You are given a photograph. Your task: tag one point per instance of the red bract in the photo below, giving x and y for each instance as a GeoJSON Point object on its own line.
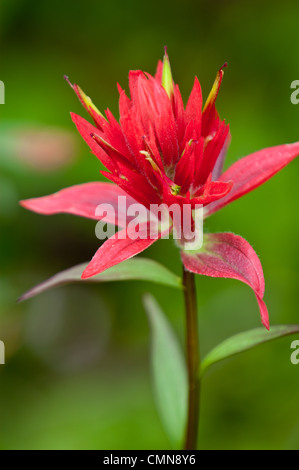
{"type": "Point", "coordinates": [160, 152]}
{"type": "Point", "coordinates": [229, 255]}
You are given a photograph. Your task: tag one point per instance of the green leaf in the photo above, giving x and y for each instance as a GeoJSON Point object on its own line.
{"type": "Point", "coordinates": [244, 341]}
{"type": "Point", "coordinates": [142, 269]}
{"type": "Point", "coordinates": [169, 373]}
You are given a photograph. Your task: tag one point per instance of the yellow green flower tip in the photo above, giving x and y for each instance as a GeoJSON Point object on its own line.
{"type": "Point", "coordinates": [150, 159]}
{"type": "Point", "coordinates": [84, 99]}
{"type": "Point", "coordinates": [167, 81]}
{"type": "Point", "coordinates": [175, 189]}
{"type": "Point", "coordinates": [215, 88]}
{"type": "Point", "coordinates": [87, 101]}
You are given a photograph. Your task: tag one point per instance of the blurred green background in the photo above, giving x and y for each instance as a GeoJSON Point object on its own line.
{"type": "Point", "coordinates": [77, 367]}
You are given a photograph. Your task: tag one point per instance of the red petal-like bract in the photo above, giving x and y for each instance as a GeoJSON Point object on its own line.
{"type": "Point", "coordinates": [230, 256]}
{"type": "Point", "coordinates": [82, 200]}
{"type": "Point", "coordinates": [120, 247]}
{"type": "Point", "coordinates": [254, 170]}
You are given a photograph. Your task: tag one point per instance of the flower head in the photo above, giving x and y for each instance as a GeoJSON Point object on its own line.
{"type": "Point", "coordinates": [160, 151]}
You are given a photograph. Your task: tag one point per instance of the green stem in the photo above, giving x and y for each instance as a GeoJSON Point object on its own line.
{"type": "Point", "coordinates": [193, 360]}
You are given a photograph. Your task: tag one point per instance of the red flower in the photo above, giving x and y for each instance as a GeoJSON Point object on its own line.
{"type": "Point", "coordinates": [160, 152]}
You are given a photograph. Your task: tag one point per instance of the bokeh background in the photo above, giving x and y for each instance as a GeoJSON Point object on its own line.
{"type": "Point", "coordinates": [77, 366]}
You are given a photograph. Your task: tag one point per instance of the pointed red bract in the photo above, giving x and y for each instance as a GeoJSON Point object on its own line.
{"type": "Point", "coordinates": [254, 170]}
{"type": "Point", "coordinates": [82, 200]}
{"type": "Point", "coordinates": [230, 256]}
{"type": "Point", "coordinates": [120, 247]}
{"type": "Point", "coordinates": [194, 107]}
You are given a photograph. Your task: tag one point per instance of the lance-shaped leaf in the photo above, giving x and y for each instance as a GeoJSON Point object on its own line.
{"type": "Point", "coordinates": [137, 269]}
{"type": "Point", "coordinates": [169, 373]}
{"type": "Point", "coordinates": [245, 341]}
{"type": "Point", "coordinates": [230, 256]}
